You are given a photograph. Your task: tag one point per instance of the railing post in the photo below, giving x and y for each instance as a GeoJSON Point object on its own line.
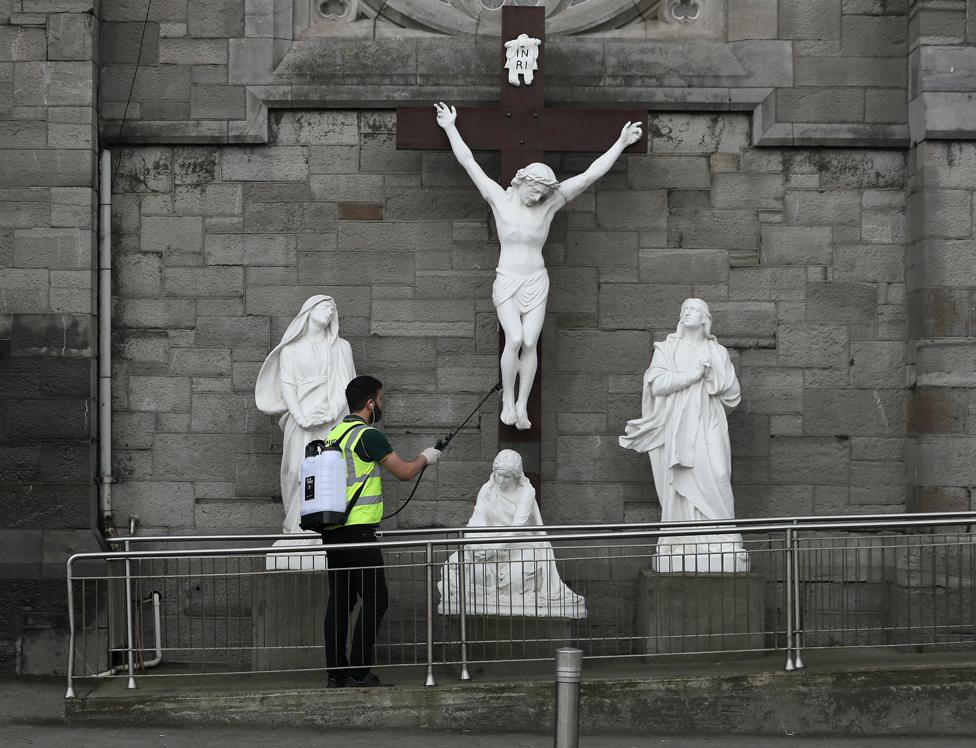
{"type": "Point", "coordinates": [129, 620]}
{"type": "Point", "coordinates": [429, 553]}
{"type": "Point", "coordinates": [797, 613]}
{"type": "Point", "coordinates": [70, 693]}
{"type": "Point", "coordinates": [465, 675]}
{"type": "Point", "coordinates": [569, 669]}
{"type": "Point", "coordinates": [788, 600]}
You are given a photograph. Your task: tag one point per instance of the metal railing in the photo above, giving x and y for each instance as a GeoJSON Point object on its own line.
{"type": "Point", "coordinates": [229, 607]}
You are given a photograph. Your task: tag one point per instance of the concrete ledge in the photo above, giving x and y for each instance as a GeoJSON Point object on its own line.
{"type": "Point", "coordinates": [910, 695]}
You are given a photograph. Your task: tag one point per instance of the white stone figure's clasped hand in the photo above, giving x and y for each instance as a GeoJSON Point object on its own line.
{"type": "Point", "coordinates": [446, 115]}
{"type": "Point", "coordinates": [628, 136]}
{"type": "Point", "coordinates": [706, 369]}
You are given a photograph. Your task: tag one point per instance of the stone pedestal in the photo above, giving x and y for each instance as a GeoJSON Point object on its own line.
{"type": "Point", "coordinates": [287, 616]}
{"type": "Point", "coordinates": [494, 638]}
{"type": "Point", "coordinates": [687, 613]}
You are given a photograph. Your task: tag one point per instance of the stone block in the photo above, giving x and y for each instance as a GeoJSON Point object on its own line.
{"type": "Point", "coordinates": [205, 457]}
{"type": "Point", "coordinates": [440, 169]}
{"type": "Point", "coordinates": [454, 284]}
{"type": "Point", "coordinates": [422, 318]}
{"type": "Point", "coordinates": [355, 267]}
{"type": "Point", "coordinates": [687, 613]}
{"type": "Point", "coordinates": [250, 249]}
{"type": "Point", "coordinates": [53, 83]}
{"type": "Point", "coordinates": [289, 217]}
{"type": "Point", "coordinates": [603, 249]}
{"type": "Point", "coordinates": [947, 213]}
{"type": "Point", "coordinates": [878, 363]}
{"type": "Point", "coordinates": [70, 36]}
{"type": "Point", "coordinates": [251, 61]}
{"type": "Point", "coordinates": [745, 190]}
{"type": "Point", "coordinates": [120, 43]}
{"type": "Point", "coordinates": [752, 19]}
{"type": "Point", "coordinates": [878, 482]}
{"type": "Point", "coordinates": [668, 172]}
{"type": "Point", "coordinates": [61, 335]}
{"type": "Point", "coordinates": [854, 412]}
{"type": "Point", "coordinates": [862, 169]}
{"type": "Point", "coordinates": [820, 104]}
{"type": "Point", "coordinates": [233, 332]}
{"type": "Point", "coordinates": [795, 245]}
{"type": "Point", "coordinates": [378, 153]}
{"type": "Point", "coordinates": [227, 413]}
{"type": "Point", "coordinates": [771, 391]}
{"type": "Point", "coordinates": [814, 346]}
{"type": "Point", "coordinates": [209, 199]}
{"type": "Point", "coordinates": [363, 188]}
{"type": "Point", "coordinates": [144, 170]}
{"type": "Point", "coordinates": [204, 281]}
{"type": "Point", "coordinates": [632, 306]}
{"type": "Point", "coordinates": [842, 302]}
{"type": "Point", "coordinates": [403, 235]}
{"type": "Point", "coordinates": [647, 209]}
{"type": "Point", "coordinates": [156, 503]}
{"type": "Point", "coordinates": [334, 159]}
{"type": "Point", "coordinates": [194, 165]}
{"type": "Point", "coordinates": [707, 228]}
{"type": "Point", "coordinates": [852, 71]}
{"type": "Point", "coordinates": [153, 313]}
{"type": "Point", "coordinates": [767, 283]}
{"type": "Point", "coordinates": [22, 43]}
{"type": "Point", "coordinates": [186, 51]}
{"type": "Point", "coordinates": [160, 394]}
{"type": "Point", "coordinates": [810, 19]}
{"type": "Point", "coordinates": [217, 102]}
{"type": "Point", "coordinates": [215, 18]}
{"type": "Point", "coordinates": [47, 168]}
{"type": "Point", "coordinates": [56, 249]}
{"type": "Point", "coordinates": [179, 234]}
{"type": "Point", "coordinates": [313, 128]}
{"type": "Point", "coordinates": [810, 459]}
{"type": "Point", "coordinates": [822, 208]}
{"type": "Point", "coordinates": [886, 105]}
{"type": "Point", "coordinates": [698, 133]}
{"type": "Point", "coordinates": [434, 204]}
{"type": "Point", "coordinates": [945, 363]}
{"type": "Point", "coordinates": [884, 36]}
{"type": "Point", "coordinates": [869, 262]}
{"type": "Point", "coordinates": [573, 290]}
{"type": "Point", "coordinates": [264, 163]}
{"type": "Point", "coordinates": [601, 351]}
{"type": "Point", "coordinates": [944, 461]}
{"type": "Point", "coordinates": [24, 133]}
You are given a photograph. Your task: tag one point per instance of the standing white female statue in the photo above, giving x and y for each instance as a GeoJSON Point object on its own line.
{"type": "Point", "coordinates": [518, 578]}
{"type": "Point", "coordinates": [687, 390]}
{"type": "Point", "coordinates": [523, 214]}
{"type": "Point", "coordinates": [304, 380]}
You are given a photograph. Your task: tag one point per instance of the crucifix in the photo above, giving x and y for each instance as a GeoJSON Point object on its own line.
{"type": "Point", "coordinates": [522, 129]}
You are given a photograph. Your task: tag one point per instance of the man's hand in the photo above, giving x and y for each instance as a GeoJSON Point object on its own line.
{"type": "Point", "coordinates": [630, 134]}
{"type": "Point", "coordinates": [446, 115]}
{"type": "Point", "coordinates": [432, 455]}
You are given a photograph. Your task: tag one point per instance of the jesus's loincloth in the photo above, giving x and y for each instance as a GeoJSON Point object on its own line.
{"type": "Point", "coordinates": [529, 291]}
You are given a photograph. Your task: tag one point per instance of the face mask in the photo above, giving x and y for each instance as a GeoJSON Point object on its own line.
{"type": "Point", "coordinates": [377, 414]}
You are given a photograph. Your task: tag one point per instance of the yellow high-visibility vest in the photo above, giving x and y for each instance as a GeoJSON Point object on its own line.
{"type": "Point", "coordinates": [369, 507]}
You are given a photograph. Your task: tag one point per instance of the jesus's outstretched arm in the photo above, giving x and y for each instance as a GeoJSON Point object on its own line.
{"type": "Point", "coordinates": [575, 186]}
{"type": "Point", "coordinates": [490, 190]}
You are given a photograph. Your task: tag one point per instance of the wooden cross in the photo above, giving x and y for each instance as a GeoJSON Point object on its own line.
{"type": "Point", "coordinates": [521, 129]}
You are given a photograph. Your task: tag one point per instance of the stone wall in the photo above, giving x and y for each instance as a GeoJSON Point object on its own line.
{"type": "Point", "coordinates": [799, 254]}
{"type": "Point", "coordinates": [47, 324]}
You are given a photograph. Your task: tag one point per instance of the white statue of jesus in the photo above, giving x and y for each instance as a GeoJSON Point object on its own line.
{"type": "Point", "coordinates": [523, 214]}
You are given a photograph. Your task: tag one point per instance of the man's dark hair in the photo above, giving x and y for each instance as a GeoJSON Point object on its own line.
{"type": "Point", "coordinates": [360, 390]}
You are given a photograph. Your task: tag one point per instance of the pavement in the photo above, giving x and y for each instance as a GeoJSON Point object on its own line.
{"type": "Point", "coordinates": [31, 714]}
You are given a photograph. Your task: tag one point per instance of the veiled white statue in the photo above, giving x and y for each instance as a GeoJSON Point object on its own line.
{"type": "Point", "coordinates": [304, 381]}
{"type": "Point", "coordinates": [523, 214]}
{"type": "Point", "coordinates": [687, 390]}
{"type": "Point", "coordinates": [514, 579]}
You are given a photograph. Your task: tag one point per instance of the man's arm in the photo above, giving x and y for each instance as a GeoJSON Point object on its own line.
{"type": "Point", "coordinates": [575, 186]}
{"type": "Point", "coordinates": [401, 468]}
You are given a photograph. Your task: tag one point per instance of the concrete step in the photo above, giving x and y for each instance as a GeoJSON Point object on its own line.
{"type": "Point", "coordinates": [849, 692]}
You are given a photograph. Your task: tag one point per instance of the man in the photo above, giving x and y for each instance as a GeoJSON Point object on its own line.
{"type": "Point", "coordinates": [358, 573]}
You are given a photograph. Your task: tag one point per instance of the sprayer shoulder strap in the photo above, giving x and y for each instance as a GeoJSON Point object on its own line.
{"type": "Point", "coordinates": [344, 434]}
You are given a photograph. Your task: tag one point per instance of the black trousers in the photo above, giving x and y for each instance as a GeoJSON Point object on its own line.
{"type": "Point", "coordinates": [354, 574]}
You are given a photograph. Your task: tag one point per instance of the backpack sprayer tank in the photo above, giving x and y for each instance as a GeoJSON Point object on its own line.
{"type": "Point", "coordinates": [323, 476]}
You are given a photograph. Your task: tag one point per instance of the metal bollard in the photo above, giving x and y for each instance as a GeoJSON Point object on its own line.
{"type": "Point", "coordinates": [569, 669]}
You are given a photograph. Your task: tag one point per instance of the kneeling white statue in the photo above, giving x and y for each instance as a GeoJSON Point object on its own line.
{"type": "Point", "coordinates": [516, 579]}
{"type": "Point", "coordinates": [687, 390]}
